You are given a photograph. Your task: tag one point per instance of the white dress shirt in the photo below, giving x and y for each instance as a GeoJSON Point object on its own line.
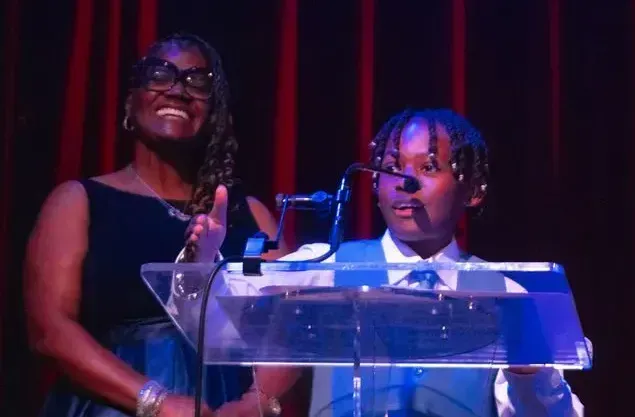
{"type": "Point", "coordinates": [544, 393]}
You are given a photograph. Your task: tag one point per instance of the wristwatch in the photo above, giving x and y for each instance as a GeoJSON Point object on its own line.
{"type": "Point", "coordinates": [272, 403]}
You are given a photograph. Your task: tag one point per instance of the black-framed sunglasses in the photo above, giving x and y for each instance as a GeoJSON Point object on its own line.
{"type": "Point", "coordinates": [155, 74]}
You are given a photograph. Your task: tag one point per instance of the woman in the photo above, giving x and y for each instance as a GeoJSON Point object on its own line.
{"type": "Point", "coordinates": [88, 310]}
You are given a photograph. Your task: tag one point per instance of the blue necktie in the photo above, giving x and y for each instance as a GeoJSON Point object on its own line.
{"type": "Point", "coordinates": [422, 280]}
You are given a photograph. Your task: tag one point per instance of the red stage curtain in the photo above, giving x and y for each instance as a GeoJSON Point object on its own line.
{"type": "Point", "coordinates": [11, 36]}
{"type": "Point", "coordinates": [286, 114]}
{"type": "Point", "coordinates": [549, 84]}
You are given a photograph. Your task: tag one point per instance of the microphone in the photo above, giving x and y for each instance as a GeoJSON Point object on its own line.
{"type": "Point", "coordinates": [316, 201]}
{"type": "Point", "coordinates": [410, 184]}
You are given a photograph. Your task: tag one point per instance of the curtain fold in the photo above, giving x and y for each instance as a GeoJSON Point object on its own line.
{"type": "Point", "coordinates": [71, 138]}
{"type": "Point", "coordinates": [458, 86]}
{"type": "Point", "coordinates": [9, 84]}
{"type": "Point", "coordinates": [111, 100]}
{"type": "Point", "coordinates": [363, 198]}
{"type": "Point", "coordinates": [285, 134]}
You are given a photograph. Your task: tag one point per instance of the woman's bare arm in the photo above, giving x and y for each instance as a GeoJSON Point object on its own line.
{"type": "Point", "coordinates": [54, 258]}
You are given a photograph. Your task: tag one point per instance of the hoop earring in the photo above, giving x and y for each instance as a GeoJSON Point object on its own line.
{"type": "Point", "coordinates": [126, 124]}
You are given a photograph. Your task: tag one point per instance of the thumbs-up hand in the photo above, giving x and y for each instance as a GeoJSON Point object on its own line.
{"type": "Point", "coordinates": [207, 231]}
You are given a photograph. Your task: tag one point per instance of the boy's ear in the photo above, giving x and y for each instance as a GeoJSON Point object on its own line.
{"type": "Point", "coordinates": [475, 200]}
{"type": "Point", "coordinates": [477, 196]}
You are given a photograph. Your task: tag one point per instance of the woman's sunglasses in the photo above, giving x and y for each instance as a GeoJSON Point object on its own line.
{"type": "Point", "coordinates": [155, 74]}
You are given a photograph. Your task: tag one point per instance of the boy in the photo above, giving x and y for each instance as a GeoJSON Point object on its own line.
{"type": "Point", "coordinates": [449, 158]}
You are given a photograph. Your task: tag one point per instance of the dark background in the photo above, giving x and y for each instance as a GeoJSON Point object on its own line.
{"type": "Point", "coordinates": [548, 82]}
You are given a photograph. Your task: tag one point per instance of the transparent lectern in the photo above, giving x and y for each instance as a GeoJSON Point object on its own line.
{"type": "Point", "coordinates": [299, 314]}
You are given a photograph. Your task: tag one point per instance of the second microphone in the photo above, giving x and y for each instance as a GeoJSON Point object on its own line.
{"type": "Point", "coordinates": [319, 200]}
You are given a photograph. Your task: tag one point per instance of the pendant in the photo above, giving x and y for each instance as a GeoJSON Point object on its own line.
{"type": "Point", "coordinates": [177, 214]}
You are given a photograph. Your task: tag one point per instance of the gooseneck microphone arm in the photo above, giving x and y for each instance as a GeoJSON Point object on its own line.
{"type": "Point", "coordinates": [341, 198]}
{"type": "Point", "coordinates": [411, 185]}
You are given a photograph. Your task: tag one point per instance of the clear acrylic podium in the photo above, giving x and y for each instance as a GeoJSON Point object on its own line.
{"type": "Point", "coordinates": [296, 315]}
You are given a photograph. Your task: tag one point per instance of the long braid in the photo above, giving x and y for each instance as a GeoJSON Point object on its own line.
{"type": "Point", "coordinates": [218, 165]}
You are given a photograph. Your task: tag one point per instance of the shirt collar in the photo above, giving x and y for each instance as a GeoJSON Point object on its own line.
{"type": "Point", "coordinates": [396, 251]}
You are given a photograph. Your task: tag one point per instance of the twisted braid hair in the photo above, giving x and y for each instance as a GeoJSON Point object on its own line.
{"type": "Point", "coordinates": [469, 159]}
{"type": "Point", "coordinates": [219, 161]}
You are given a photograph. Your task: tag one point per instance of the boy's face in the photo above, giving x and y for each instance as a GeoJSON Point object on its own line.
{"type": "Point", "coordinates": [434, 211]}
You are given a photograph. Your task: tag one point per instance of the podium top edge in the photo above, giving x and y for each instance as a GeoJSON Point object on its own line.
{"type": "Point", "coordinates": [277, 266]}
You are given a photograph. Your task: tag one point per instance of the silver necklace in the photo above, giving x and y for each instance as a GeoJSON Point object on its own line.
{"type": "Point", "coordinates": [172, 211]}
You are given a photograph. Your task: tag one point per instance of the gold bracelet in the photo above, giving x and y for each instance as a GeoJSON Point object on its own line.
{"type": "Point", "coordinates": [149, 399]}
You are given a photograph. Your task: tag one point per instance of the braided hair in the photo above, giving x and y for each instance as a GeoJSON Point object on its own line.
{"type": "Point", "coordinates": [468, 150]}
{"type": "Point", "coordinates": [218, 164]}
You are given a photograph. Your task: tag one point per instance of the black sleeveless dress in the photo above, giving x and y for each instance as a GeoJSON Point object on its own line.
{"type": "Point", "coordinates": [127, 230]}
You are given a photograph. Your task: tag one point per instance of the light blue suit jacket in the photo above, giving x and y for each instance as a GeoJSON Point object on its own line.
{"type": "Point", "coordinates": [404, 391]}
